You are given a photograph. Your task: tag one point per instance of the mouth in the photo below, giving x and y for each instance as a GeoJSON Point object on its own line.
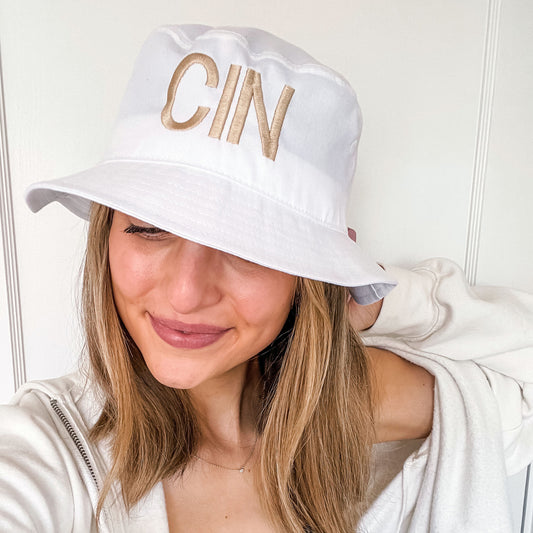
{"type": "Point", "coordinates": [189, 336]}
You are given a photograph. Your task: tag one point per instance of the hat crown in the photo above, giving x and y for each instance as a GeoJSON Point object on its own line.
{"type": "Point", "coordinates": [245, 105]}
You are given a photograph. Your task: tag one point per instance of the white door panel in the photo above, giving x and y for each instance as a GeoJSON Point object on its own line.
{"type": "Point", "coordinates": [6, 365]}
{"type": "Point", "coordinates": [516, 485]}
{"type": "Point", "coordinates": [506, 246]}
{"type": "Point", "coordinates": [419, 91]}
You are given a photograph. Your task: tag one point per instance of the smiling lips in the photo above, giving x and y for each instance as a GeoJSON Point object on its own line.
{"type": "Point", "coordinates": [182, 335]}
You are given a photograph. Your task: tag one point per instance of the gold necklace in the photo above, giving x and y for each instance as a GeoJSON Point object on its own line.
{"type": "Point", "coordinates": [240, 469]}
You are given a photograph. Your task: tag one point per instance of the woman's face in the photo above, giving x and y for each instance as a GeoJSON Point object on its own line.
{"type": "Point", "coordinates": [194, 312]}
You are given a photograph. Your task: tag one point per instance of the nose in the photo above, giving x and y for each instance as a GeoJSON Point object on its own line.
{"type": "Point", "coordinates": [193, 275]}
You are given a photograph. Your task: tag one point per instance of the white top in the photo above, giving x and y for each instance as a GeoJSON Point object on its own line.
{"type": "Point", "coordinates": [477, 342]}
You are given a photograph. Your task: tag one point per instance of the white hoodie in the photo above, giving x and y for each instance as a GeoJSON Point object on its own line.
{"type": "Point", "coordinates": [478, 342]}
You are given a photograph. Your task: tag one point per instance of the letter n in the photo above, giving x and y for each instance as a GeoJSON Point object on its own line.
{"type": "Point", "coordinates": [251, 88]}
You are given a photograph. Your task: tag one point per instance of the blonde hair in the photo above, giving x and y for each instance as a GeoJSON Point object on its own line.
{"type": "Point", "coordinates": [316, 421]}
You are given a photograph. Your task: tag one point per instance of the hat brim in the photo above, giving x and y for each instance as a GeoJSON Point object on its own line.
{"type": "Point", "coordinates": [210, 209]}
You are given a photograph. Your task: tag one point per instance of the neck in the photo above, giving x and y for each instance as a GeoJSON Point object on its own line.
{"type": "Point", "coordinates": [227, 409]}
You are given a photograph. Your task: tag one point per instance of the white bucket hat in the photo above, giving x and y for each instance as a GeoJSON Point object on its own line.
{"type": "Point", "coordinates": [267, 182]}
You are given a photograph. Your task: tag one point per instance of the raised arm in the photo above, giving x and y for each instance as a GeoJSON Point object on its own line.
{"type": "Point", "coordinates": [433, 309]}
{"type": "Point", "coordinates": [404, 397]}
{"type": "Point", "coordinates": [434, 313]}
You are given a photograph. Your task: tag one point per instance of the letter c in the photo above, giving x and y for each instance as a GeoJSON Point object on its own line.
{"type": "Point", "coordinates": [201, 112]}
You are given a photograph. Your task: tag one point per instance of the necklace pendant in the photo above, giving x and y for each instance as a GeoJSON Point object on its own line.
{"type": "Point", "coordinates": [241, 470]}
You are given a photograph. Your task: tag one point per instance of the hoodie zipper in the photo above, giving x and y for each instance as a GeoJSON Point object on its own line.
{"type": "Point", "coordinates": [75, 440]}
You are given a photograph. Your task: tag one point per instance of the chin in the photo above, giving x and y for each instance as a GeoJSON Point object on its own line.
{"type": "Point", "coordinates": [177, 375]}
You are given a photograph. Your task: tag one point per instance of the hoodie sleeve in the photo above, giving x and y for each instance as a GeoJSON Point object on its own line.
{"type": "Point", "coordinates": [434, 311]}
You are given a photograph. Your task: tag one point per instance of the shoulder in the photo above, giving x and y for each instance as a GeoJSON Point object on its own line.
{"type": "Point", "coordinates": [40, 484]}
{"type": "Point", "coordinates": [73, 383]}
{"type": "Point", "coordinates": [30, 407]}
{"type": "Point", "coordinates": [75, 391]}
{"type": "Point", "coordinates": [42, 418]}
{"type": "Point", "coordinates": [30, 421]}
{"type": "Point", "coordinates": [27, 425]}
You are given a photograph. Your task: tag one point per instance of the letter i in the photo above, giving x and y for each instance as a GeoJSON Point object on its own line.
{"type": "Point", "coordinates": [225, 102]}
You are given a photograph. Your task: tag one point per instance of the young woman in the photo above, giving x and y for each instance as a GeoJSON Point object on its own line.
{"type": "Point", "coordinates": [228, 389]}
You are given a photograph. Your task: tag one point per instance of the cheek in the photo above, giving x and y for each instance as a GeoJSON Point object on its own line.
{"type": "Point", "coordinates": [131, 274]}
{"type": "Point", "coordinates": [266, 303]}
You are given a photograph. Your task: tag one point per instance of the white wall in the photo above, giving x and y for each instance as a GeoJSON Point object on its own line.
{"type": "Point", "coordinates": [445, 158]}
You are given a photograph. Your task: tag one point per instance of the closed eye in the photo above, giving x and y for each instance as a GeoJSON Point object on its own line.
{"type": "Point", "coordinates": [149, 231]}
